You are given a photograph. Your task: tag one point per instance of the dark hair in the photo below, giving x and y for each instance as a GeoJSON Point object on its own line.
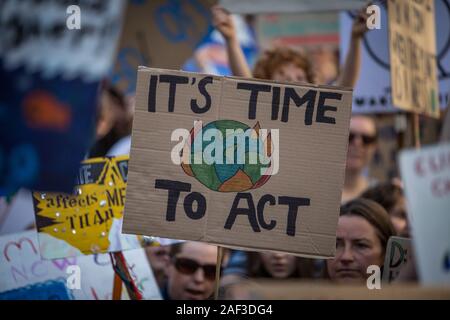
{"type": "Point", "coordinates": [386, 194]}
{"type": "Point", "coordinates": [272, 59]}
{"type": "Point", "coordinates": [175, 249]}
{"type": "Point", "coordinates": [375, 214]}
{"type": "Point", "coordinates": [121, 128]}
{"type": "Point", "coordinates": [116, 95]}
{"type": "Point", "coordinates": [304, 268]}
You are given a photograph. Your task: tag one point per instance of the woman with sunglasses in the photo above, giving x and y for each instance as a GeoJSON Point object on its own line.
{"type": "Point", "coordinates": [191, 271]}
{"type": "Point", "coordinates": [361, 148]}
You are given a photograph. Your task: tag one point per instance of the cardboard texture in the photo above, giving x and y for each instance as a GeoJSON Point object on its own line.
{"type": "Point", "coordinates": [294, 210]}
{"type": "Point", "coordinates": [426, 174]}
{"type": "Point", "coordinates": [159, 33]}
{"type": "Point", "coordinates": [412, 44]}
{"type": "Point", "coordinates": [88, 221]}
{"type": "Point", "coordinates": [398, 255]}
{"type": "Point", "coordinates": [262, 289]}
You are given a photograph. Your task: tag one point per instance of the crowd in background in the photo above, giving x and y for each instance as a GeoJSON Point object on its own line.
{"type": "Point", "coordinates": [371, 212]}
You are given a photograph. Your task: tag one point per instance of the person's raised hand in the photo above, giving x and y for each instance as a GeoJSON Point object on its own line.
{"type": "Point", "coordinates": [359, 27]}
{"type": "Point", "coordinates": [223, 22]}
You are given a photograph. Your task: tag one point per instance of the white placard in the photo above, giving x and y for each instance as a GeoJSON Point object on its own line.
{"type": "Point", "coordinates": [22, 270]}
{"type": "Point", "coordinates": [426, 176]}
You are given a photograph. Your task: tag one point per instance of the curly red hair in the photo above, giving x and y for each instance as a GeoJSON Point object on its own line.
{"type": "Point", "coordinates": [273, 59]}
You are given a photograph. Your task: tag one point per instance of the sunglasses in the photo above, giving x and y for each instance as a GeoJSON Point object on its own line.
{"type": "Point", "coordinates": [366, 139]}
{"type": "Point", "coordinates": [189, 266]}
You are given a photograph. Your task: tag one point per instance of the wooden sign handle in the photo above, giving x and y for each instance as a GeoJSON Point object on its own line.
{"type": "Point", "coordinates": [117, 287]}
{"type": "Point", "coordinates": [416, 130]}
{"type": "Point", "coordinates": [218, 265]}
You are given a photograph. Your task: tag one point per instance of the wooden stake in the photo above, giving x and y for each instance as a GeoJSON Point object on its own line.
{"type": "Point", "coordinates": [445, 135]}
{"type": "Point", "coordinates": [218, 265]}
{"type": "Point", "coordinates": [121, 265]}
{"type": "Point", "coordinates": [117, 287]}
{"type": "Point", "coordinates": [416, 130]}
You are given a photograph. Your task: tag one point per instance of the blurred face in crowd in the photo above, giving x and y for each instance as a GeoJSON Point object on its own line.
{"type": "Point", "coordinates": [399, 218]}
{"type": "Point", "coordinates": [107, 116]}
{"type": "Point", "coordinates": [362, 142]}
{"type": "Point", "coordinates": [325, 64]}
{"type": "Point", "coordinates": [158, 257]}
{"type": "Point", "coordinates": [191, 274]}
{"type": "Point", "coordinates": [290, 73]}
{"type": "Point", "coordinates": [277, 264]}
{"type": "Point", "coordinates": [357, 247]}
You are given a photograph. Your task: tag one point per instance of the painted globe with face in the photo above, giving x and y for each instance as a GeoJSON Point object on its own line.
{"type": "Point", "coordinates": [227, 156]}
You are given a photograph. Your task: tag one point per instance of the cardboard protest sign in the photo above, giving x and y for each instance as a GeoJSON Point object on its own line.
{"type": "Point", "coordinates": [49, 75]}
{"type": "Point", "coordinates": [412, 44]}
{"type": "Point", "coordinates": [276, 189]}
{"type": "Point", "coordinates": [88, 221]}
{"type": "Point", "coordinates": [159, 33]}
{"type": "Point", "coordinates": [372, 92]}
{"type": "Point", "coordinates": [426, 176]}
{"type": "Point", "coordinates": [292, 289]}
{"type": "Point", "coordinates": [25, 276]}
{"type": "Point", "coordinates": [398, 254]}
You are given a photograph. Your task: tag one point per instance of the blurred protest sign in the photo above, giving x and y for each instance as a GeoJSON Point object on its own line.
{"type": "Point", "coordinates": [288, 6]}
{"type": "Point", "coordinates": [264, 289]}
{"type": "Point", "coordinates": [372, 93]}
{"type": "Point", "coordinates": [412, 44]}
{"type": "Point", "coordinates": [426, 177]}
{"type": "Point", "coordinates": [288, 200]}
{"type": "Point", "coordinates": [383, 166]}
{"type": "Point", "coordinates": [211, 56]}
{"type": "Point", "coordinates": [25, 276]}
{"type": "Point", "coordinates": [159, 33]}
{"type": "Point", "coordinates": [49, 75]}
{"type": "Point", "coordinates": [315, 33]}
{"type": "Point", "coordinates": [398, 254]}
{"type": "Point", "coordinates": [88, 221]}
{"type": "Point", "coordinates": [16, 212]}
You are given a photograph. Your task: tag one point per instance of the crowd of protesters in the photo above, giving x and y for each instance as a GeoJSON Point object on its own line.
{"type": "Point", "coordinates": [371, 211]}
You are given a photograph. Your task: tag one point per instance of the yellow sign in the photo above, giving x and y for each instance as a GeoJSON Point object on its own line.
{"type": "Point", "coordinates": [90, 219]}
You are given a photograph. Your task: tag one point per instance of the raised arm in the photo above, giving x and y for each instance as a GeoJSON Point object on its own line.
{"type": "Point", "coordinates": [350, 71]}
{"type": "Point", "coordinates": [223, 22]}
